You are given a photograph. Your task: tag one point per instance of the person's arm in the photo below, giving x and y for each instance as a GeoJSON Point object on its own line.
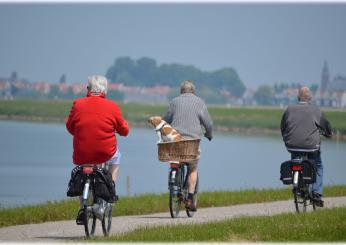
{"type": "Point", "coordinates": [283, 123]}
{"type": "Point", "coordinates": [325, 126]}
{"type": "Point", "coordinates": [70, 119]}
{"type": "Point", "coordinates": [121, 125]}
{"type": "Point", "coordinates": [169, 115]}
{"type": "Point", "coordinates": [207, 122]}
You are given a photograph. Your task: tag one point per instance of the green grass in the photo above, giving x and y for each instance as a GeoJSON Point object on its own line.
{"type": "Point", "coordinates": [138, 114]}
{"type": "Point", "coordinates": [145, 204]}
{"type": "Point", "coordinates": [323, 225]}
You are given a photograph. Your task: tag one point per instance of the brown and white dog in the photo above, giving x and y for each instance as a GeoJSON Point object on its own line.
{"type": "Point", "coordinates": [164, 131]}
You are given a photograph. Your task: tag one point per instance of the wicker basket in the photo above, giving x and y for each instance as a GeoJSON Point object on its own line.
{"type": "Point", "coordinates": [184, 150]}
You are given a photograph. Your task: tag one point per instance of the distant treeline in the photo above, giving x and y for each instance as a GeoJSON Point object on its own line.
{"type": "Point", "coordinates": [145, 72]}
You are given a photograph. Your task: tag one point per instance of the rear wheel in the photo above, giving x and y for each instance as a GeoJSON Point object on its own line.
{"type": "Point", "coordinates": [300, 200]}
{"type": "Point", "coordinates": [89, 216]}
{"type": "Point", "coordinates": [175, 191]}
{"type": "Point", "coordinates": [107, 220]}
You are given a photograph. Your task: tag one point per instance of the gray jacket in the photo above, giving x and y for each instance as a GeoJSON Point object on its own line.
{"type": "Point", "coordinates": [301, 125]}
{"type": "Point", "coordinates": [188, 113]}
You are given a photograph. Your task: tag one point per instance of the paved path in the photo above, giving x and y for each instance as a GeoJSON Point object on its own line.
{"type": "Point", "coordinates": [64, 231]}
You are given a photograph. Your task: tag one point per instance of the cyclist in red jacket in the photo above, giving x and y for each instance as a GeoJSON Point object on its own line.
{"type": "Point", "coordinates": [93, 122]}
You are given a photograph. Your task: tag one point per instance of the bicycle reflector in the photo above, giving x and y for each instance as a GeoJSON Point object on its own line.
{"type": "Point", "coordinates": [174, 165]}
{"type": "Point", "coordinates": [297, 167]}
{"type": "Point", "coordinates": [88, 170]}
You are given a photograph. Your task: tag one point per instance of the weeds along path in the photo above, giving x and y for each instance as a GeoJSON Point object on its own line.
{"type": "Point", "coordinates": [63, 231]}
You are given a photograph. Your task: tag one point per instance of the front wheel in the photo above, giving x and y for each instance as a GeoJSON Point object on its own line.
{"type": "Point", "coordinates": [175, 201]}
{"type": "Point", "coordinates": [107, 220]}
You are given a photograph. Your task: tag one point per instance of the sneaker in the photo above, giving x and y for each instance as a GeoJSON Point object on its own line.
{"type": "Point", "coordinates": [190, 205]}
{"type": "Point", "coordinates": [317, 198]}
{"type": "Point", "coordinates": [80, 217]}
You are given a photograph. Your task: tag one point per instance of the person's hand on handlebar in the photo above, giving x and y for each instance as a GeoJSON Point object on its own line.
{"type": "Point", "coordinates": [209, 137]}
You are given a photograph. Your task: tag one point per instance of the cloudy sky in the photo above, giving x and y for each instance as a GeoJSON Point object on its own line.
{"type": "Point", "coordinates": [265, 43]}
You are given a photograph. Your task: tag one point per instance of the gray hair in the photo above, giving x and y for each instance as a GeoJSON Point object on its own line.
{"type": "Point", "coordinates": [304, 94]}
{"type": "Point", "coordinates": [187, 87]}
{"type": "Point", "coordinates": [97, 84]}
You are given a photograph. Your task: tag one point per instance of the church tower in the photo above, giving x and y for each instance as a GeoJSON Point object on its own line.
{"type": "Point", "coordinates": [325, 77]}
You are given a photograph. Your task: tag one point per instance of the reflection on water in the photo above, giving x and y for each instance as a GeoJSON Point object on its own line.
{"type": "Point", "coordinates": [36, 160]}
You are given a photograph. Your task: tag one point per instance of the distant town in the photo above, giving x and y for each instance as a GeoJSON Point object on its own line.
{"type": "Point", "coordinates": [330, 92]}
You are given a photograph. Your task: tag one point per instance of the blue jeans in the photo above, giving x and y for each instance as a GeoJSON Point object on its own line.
{"type": "Point", "coordinates": [317, 187]}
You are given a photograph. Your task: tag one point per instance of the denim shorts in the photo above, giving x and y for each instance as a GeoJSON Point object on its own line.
{"type": "Point", "coordinates": [115, 160]}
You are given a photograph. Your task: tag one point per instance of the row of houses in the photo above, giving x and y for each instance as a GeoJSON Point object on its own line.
{"type": "Point", "coordinates": [331, 93]}
{"type": "Point", "coordinates": [9, 90]}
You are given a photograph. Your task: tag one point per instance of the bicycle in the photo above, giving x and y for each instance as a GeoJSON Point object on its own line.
{"type": "Point", "coordinates": [94, 207]}
{"type": "Point", "coordinates": [179, 154]}
{"type": "Point", "coordinates": [178, 189]}
{"type": "Point", "coordinates": [300, 172]}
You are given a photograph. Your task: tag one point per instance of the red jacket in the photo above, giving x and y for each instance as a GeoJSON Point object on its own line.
{"type": "Point", "coordinates": [93, 121]}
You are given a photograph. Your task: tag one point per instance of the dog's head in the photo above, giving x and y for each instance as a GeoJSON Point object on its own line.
{"type": "Point", "coordinates": [155, 121]}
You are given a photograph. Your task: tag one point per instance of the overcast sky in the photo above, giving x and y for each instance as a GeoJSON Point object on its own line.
{"type": "Point", "coordinates": [264, 43]}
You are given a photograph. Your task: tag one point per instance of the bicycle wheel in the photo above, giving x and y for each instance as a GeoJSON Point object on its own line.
{"type": "Point", "coordinates": [107, 220]}
{"type": "Point", "coordinates": [300, 199]}
{"type": "Point", "coordinates": [195, 200]}
{"type": "Point", "coordinates": [89, 216]}
{"type": "Point", "coordinates": [175, 195]}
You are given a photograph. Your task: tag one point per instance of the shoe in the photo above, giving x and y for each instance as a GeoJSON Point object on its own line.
{"type": "Point", "coordinates": [190, 205]}
{"type": "Point", "coordinates": [317, 199]}
{"type": "Point", "coordinates": [80, 217]}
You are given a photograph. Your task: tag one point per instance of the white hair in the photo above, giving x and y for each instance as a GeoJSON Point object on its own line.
{"type": "Point", "coordinates": [304, 94]}
{"type": "Point", "coordinates": [187, 87]}
{"type": "Point", "coordinates": [97, 84]}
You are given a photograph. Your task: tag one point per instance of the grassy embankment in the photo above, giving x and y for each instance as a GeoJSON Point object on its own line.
{"type": "Point", "coordinates": [323, 225]}
{"type": "Point", "coordinates": [145, 204]}
{"type": "Point", "coordinates": [259, 120]}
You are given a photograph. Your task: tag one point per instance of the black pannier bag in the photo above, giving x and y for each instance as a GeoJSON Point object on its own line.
{"type": "Point", "coordinates": [286, 175]}
{"type": "Point", "coordinates": [104, 185]}
{"type": "Point", "coordinates": [76, 183]}
{"type": "Point", "coordinates": [309, 172]}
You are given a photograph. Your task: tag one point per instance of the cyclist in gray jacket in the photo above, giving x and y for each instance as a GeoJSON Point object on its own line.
{"type": "Point", "coordinates": [301, 126]}
{"type": "Point", "coordinates": [188, 114]}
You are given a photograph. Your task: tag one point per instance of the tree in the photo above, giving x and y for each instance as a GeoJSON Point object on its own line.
{"type": "Point", "coordinates": [314, 88]}
{"type": "Point", "coordinates": [121, 65]}
{"type": "Point", "coordinates": [264, 95]}
{"type": "Point", "coordinates": [62, 79]}
{"type": "Point", "coordinates": [227, 79]}
{"type": "Point", "coordinates": [14, 76]}
{"type": "Point", "coordinates": [145, 71]}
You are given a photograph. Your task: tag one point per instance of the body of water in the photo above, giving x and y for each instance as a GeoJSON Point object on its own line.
{"type": "Point", "coordinates": [36, 161]}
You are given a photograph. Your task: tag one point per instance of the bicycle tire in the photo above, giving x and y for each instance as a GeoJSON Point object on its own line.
{"type": "Point", "coordinates": [175, 198]}
{"type": "Point", "coordinates": [89, 216]}
{"type": "Point", "coordinates": [107, 220]}
{"type": "Point", "coordinates": [89, 222]}
{"type": "Point", "coordinates": [299, 201]}
{"type": "Point", "coordinates": [190, 213]}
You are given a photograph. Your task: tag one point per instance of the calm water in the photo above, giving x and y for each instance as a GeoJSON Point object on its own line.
{"type": "Point", "coordinates": [36, 162]}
